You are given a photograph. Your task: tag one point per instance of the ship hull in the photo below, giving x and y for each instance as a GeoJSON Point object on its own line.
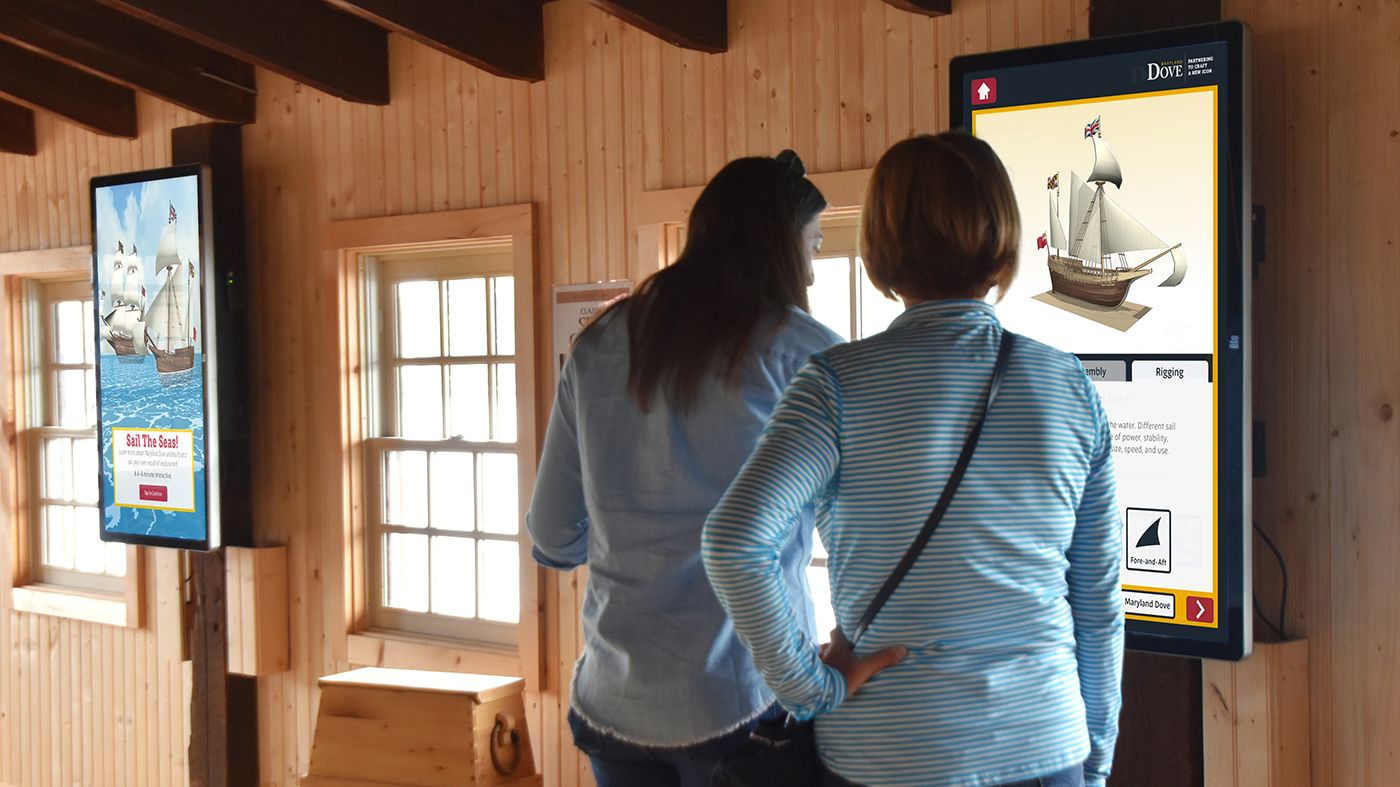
{"type": "Point", "coordinates": [1108, 288]}
{"type": "Point", "coordinates": [122, 345]}
{"type": "Point", "coordinates": [167, 362]}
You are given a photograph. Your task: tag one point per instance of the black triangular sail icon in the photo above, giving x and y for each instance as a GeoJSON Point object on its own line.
{"type": "Point", "coordinates": [1151, 536]}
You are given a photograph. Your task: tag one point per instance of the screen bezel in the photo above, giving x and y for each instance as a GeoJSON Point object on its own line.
{"type": "Point", "coordinates": [209, 366]}
{"type": "Point", "coordinates": [1233, 640]}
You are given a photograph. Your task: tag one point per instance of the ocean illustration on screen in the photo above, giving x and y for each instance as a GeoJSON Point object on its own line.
{"type": "Point", "coordinates": [150, 367]}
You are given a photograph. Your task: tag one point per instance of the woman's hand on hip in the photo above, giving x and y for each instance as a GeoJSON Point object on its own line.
{"type": "Point", "coordinates": [857, 670]}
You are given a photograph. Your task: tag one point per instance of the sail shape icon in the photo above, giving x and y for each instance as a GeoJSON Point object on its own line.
{"type": "Point", "coordinates": [1152, 536]}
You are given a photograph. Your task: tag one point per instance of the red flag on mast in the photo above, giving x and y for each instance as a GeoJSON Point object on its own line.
{"type": "Point", "coordinates": [1041, 242]}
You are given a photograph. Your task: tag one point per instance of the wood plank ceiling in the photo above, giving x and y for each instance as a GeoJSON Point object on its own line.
{"type": "Point", "coordinates": [84, 59]}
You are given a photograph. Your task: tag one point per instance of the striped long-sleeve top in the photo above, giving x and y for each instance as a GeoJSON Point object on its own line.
{"type": "Point", "coordinates": [1013, 613]}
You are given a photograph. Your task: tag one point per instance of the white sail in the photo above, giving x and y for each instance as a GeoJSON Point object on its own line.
{"type": "Point", "coordinates": [132, 280]}
{"type": "Point", "coordinates": [125, 321]}
{"type": "Point", "coordinates": [167, 318]}
{"type": "Point", "coordinates": [1057, 235]}
{"type": "Point", "coordinates": [1121, 232]}
{"type": "Point", "coordinates": [167, 253]}
{"type": "Point", "coordinates": [1106, 169]}
{"type": "Point", "coordinates": [1178, 269]}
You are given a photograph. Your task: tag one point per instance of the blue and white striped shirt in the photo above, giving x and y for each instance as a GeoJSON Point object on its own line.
{"type": "Point", "coordinates": [1012, 615]}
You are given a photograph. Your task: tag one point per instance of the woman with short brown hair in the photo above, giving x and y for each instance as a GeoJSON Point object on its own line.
{"type": "Point", "coordinates": [1012, 613]}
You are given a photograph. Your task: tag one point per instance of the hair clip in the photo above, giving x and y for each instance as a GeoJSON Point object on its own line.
{"type": "Point", "coordinates": [793, 162]}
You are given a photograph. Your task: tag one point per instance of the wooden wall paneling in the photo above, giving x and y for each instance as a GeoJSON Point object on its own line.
{"type": "Point", "coordinates": [1346, 85]}
{"type": "Point", "coordinates": [714, 118]}
{"type": "Point", "coordinates": [845, 45]}
{"type": "Point", "coordinates": [672, 115]}
{"type": "Point", "coordinates": [480, 102]}
{"type": "Point", "coordinates": [594, 141]}
{"type": "Point", "coordinates": [801, 80]}
{"type": "Point", "coordinates": [899, 92]}
{"type": "Point", "coordinates": [779, 90]}
{"type": "Point", "coordinates": [576, 144]}
{"type": "Point", "coordinates": [1364, 400]}
{"type": "Point", "coordinates": [873, 108]}
{"type": "Point", "coordinates": [1030, 22]}
{"type": "Point", "coordinates": [753, 87]}
{"type": "Point", "coordinates": [635, 107]}
{"type": "Point", "coordinates": [1002, 32]}
{"type": "Point", "coordinates": [614, 142]}
{"type": "Point", "coordinates": [928, 88]}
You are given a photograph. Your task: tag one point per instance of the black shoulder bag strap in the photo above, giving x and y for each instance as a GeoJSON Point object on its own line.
{"type": "Point", "coordinates": [1008, 339]}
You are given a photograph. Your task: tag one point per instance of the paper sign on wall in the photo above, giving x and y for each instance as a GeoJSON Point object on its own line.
{"type": "Point", "coordinates": [575, 305]}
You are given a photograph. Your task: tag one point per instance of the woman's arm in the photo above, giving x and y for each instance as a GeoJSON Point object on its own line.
{"type": "Point", "coordinates": [558, 516]}
{"type": "Point", "coordinates": [1096, 601]}
{"type": "Point", "coordinates": [794, 462]}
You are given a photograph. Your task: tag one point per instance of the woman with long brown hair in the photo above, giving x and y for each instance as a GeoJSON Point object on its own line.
{"type": "Point", "coordinates": [660, 402]}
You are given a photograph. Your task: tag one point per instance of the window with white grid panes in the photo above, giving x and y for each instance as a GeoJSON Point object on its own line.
{"type": "Point", "coordinates": [443, 473]}
{"type": "Point", "coordinates": [67, 547]}
{"type": "Point", "coordinates": [844, 300]}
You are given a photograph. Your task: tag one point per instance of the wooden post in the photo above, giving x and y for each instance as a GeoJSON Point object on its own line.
{"type": "Point", "coordinates": [223, 707]}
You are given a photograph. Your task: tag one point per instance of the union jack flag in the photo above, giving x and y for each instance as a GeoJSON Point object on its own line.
{"type": "Point", "coordinates": [1093, 128]}
{"type": "Point", "coordinates": [172, 214]}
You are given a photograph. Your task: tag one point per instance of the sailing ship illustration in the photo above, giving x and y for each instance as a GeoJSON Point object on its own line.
{"type": "Point", "coordinates": [169, 333]}
{"type": "Point", "coordinates": [124, 304]}
{"type": "Point", "coordinates": [1091, 266]}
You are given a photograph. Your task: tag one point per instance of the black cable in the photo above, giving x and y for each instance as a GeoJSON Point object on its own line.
{"type": "Point", "coordinates": [1265, 618]}
{"type": "Point", "coordinates": [1283, 600]}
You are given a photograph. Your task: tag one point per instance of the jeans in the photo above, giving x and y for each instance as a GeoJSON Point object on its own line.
{"type": "Point", "coordinates": [1072, 776]}
{"type": "Point", "coordinates": [617, 763]}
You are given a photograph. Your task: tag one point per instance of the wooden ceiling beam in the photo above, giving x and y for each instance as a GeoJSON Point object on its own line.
{"type": "Point", "coordinates": [90, 101]}
{"type": "Point", "coordinates": [134, 53]}
{"type": "Point", "coordinates": [925, 7]}
{"type": "Point", "coordinates": [17, 129]}
{"type": "Point", "coordinates": [504, 37]}
{"type": "Point", "coordinates": [692, 24]}
{"type": "Point", "coordinates": [300, 39]}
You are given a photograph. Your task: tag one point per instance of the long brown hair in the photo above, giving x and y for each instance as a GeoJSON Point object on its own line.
{"type": "Point", "coordinates": [742, 264]}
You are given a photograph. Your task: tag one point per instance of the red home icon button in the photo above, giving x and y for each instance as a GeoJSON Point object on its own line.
{"type": "Point", "coordinates": [1200, 609]}
{"type": "Point", "coordinates": [150, 492]}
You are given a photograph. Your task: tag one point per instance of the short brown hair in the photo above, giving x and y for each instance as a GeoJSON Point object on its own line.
{"type": "Point", "coordinates": [940, 219]}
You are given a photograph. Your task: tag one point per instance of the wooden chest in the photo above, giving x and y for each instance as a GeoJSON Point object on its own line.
{"type": "Point", "coordinates": [416, 728]}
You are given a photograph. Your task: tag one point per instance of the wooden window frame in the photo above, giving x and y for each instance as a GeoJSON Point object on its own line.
{"type": "Point", "coordinates": [349, 245]}
{"type": "Point", "coordinates": [383, 272]}
{"type": "Point", "coordinates": [21, 389]}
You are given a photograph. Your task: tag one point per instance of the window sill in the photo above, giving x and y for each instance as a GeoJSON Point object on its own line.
{"type": "Point", "coordinates": [405, 651]}
{"type": "Point", "coordinates": [62, 602]}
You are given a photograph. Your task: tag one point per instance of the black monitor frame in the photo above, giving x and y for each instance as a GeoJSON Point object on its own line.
{"type": "Point", "coordinates": [1233, 640]}
{"type": "Point", "coordinates": [209, 355]}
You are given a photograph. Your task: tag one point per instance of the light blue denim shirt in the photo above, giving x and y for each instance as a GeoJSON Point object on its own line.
{"type": "Point", "coordinates": [627, 493]}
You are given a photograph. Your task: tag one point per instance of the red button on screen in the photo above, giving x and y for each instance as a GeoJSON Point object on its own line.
{"type": "Point", "coordinates": [156, 493]}
{"type": "Point", "coordinates": [1200, 610]}
{"type": "Point", "coordinates": [984, 91]}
